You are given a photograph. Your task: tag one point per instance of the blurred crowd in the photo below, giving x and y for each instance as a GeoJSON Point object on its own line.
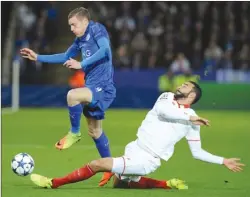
{"type": "Point", "coordinates": [178, 36]}
{"type": "Point", "coordinates": [160, 34]}
{"type": "Point", "coordinates": [36, 29]}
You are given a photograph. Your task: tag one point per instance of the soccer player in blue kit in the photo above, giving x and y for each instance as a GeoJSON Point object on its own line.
{"type": "Point", "coordinates": [92, 40]}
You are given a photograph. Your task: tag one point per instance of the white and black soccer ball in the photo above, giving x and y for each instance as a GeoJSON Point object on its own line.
{"type": "Point", "coordinates": [22, 164]}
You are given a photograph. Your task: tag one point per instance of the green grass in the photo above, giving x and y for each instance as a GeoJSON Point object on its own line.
{"type": "Point", "coordinates": [35, 131]}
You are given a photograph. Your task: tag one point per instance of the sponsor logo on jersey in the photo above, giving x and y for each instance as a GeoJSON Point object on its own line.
{"type": "Point", "coordinates": [87, 53]}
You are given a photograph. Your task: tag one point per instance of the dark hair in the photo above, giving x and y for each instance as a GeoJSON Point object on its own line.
{"type": "Point", "coordinates": [197, 90]}
{"type": "Point", "coordinates": [81, 11]}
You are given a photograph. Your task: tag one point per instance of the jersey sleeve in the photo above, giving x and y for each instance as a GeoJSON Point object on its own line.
{"type": "Point", "coordinates": [72, 51]}
{"type": "Point", "coordinates": [103, 54]}
{"type": "Point", "coordinates": [194, 142]}
{"type": "Point", "coordinates": [193, 133]}
{"type": "Point", "coordinates": [166, 108]}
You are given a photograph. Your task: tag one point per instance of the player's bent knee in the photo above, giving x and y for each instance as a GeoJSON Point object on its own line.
{"type": "Point", "coordinates": [95, 165]}
{"type": "Point", "coordinates": [71, 96]}
{"type": "Point", "coordinates": [101, 165]}
{"type": "Point", "coordinates": [81, 95]}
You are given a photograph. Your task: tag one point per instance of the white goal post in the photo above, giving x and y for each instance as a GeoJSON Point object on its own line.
{"type": "Point", "coordinates": [15, 87]}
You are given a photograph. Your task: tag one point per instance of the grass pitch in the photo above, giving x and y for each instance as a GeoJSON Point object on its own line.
{"type": "Point", "coordinates": [35, 131]}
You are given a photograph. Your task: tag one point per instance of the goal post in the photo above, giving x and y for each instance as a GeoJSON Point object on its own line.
{"type": "Point", "coordinates": [15, 87]}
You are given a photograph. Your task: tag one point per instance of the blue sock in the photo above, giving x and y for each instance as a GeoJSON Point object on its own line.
{"type": "Point", "coordinates": [75, 113]}
{"type": "Point", "coordinates": [102, 145]}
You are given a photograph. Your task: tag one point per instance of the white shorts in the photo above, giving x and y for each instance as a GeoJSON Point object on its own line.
{"type": "Point", "coordinates": [136, 162]}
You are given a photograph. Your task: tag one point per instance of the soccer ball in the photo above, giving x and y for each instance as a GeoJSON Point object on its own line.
{"type": "Point", "coordinates": [22, 164]}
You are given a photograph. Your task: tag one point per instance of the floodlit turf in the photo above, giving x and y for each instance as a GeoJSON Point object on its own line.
{"type": "Point", "coordinates": [35, 131]}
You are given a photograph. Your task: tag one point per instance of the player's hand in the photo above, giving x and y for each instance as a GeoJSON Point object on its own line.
{"type": "Point", "coordinates": [199, 121]}
{"type": "Point", "coordinates": [71, 63]}
{"type": "Point", "coordinates": [29, 54]}
{"type": "Point", "coordinates": [233, 164]}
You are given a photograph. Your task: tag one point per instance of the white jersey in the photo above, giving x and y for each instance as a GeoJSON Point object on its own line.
{"type": "Point", "coordinates": [166, 124]}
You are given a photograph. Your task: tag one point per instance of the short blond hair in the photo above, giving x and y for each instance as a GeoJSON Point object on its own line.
{"type": "Point", "coordinates": [79, 12]}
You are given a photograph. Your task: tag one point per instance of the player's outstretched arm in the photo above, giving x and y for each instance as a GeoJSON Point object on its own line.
{"type": "Point", "coordinates": [28, 54]}
{"type": "Point", "coordinates": [232, 164]}
{"type": "Point", "coordinates": [55, 58]}
{"type": "Point", "coordinates": [102, 54]}
{"type": "Point", "coordinates": [199, 121]}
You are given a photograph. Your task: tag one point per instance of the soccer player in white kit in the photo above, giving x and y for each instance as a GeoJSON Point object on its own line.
{"type": "Point", "coordinates": [170, 120]}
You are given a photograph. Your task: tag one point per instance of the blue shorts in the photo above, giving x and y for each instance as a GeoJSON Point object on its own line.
{"type": "Point", "coordinates": [103, 96]}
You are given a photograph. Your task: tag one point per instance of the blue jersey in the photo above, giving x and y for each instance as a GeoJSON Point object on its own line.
{"type": "Point", "coordinates": [96, 62]}
{"type": "Point", "coordinates": [95, 49]}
